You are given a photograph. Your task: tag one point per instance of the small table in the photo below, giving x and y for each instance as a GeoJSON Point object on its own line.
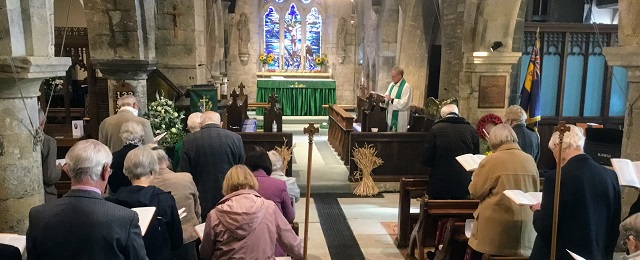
{"type": "Point", "coordinates": [298, 97]}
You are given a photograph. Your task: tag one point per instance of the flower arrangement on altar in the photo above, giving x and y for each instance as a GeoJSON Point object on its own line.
{"type": "Point", "coordinates": [266, 59]}
{"type": "Point", "coordinates": [53, 85]}
{"type": "Point", "coordinates": [164, 118]}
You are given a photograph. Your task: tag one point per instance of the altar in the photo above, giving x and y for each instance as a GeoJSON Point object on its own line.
{"type": "Point", "coordinates": [298, 96]}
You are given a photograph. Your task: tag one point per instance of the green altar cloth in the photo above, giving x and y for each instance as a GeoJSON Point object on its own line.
{"type": "Point", "coordinates": [302, 97]}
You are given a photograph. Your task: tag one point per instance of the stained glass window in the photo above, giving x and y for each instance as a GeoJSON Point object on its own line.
{"type": "Point", "coordinates": [292, 39]}
{"type": "Point", "coordinates": [272, 36]}
{"type": "Point", "coordinates": [306, 1]}
{"type": "Point", "coordinates": [314, 40]}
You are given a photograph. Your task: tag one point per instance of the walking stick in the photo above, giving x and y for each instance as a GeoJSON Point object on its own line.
{"type": "Point", "coordinates": [310, 130]}
{"type": "Point", "coordinates": [561, 129]}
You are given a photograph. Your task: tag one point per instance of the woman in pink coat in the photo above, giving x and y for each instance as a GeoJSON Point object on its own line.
{"type": "Point", "coordinates": [244, 225]}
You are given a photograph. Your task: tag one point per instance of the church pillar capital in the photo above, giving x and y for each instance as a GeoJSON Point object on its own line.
{"type": "Point", "coordinates": [120, 69]}
{"type": "Point", "coordinates": [484, 83]}
{"type": "Point", "coordinates": [627, 57]}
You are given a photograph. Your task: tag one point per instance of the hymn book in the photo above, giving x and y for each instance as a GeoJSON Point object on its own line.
{"type": "Point", "coordinates": [575, 256]}
{"type": "Point", "coordinates": [199, 230]}
{"type": "Point", "coordinates": [522, 198]}
{"type": "Point", "coordinates": [181, 213]}
{"type": "Point", "coordinates": [470, 162]}
{"type": "Point", "coordinates": [628, 172]}
{"type": "Point", "coordinates": [14, 240]}
{"type": "Point", "coordinates": [157, 138]}
{"type": "Point", "coordinates": [145, 214]}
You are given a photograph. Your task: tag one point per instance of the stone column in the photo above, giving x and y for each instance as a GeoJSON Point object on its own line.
{"type": "Point", "coordinates": [489, 73]}
{"type": "Point", "coordinates": [122, 37]}
{"type": "Point", "coordinates": [627, 55]}
{"type": "Point", "coordinates": [26, 58]}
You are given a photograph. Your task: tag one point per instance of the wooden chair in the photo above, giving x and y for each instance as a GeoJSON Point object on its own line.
{"type": "Point", "coordinates": [234, 114]}
{"type": "Point", "coordinates": [410, 188]}
{"type": "Point", "coordinates": [273, 113]}
{"type": "Point", "coordinates": [431, 212]}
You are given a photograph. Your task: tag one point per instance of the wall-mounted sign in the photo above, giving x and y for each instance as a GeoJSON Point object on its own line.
{"type": "Point", "coordinates": [492, 91]}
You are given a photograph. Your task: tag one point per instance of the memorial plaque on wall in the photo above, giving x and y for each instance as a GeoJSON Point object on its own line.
{"type": "Point", "coordinates": [492, 91]}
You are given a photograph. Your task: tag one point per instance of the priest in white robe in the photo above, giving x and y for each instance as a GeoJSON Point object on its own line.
{"type": "Point", "coordinates": [398, 101]}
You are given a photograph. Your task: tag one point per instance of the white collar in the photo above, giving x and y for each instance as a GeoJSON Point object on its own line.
{"type": "Point", "coordinates": [131, 109]}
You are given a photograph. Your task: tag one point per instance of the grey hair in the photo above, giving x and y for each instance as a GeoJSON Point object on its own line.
{"type": "Point", "coordinates": [139, 163]}
{"type": "Point", "coordinates": [160, 154]}
{"type": "Point", "coordinates": [87, 159]}
{"type": "Point", "coordinates": [398, 70]}
{"type": "Point", "coordinates": [448, 109]}
{"type": "Point", "coordinates": [127, 101]}
{"type": "Point", "coordinates": [630, 227]}
{"type": "Point", "coordinates": [131, 132]}
{"type": "Point", "coordinates": [193, 122]}
{"type": "Point", "coordinates": [515, 115]}
{"type": "Point", "coordinates": [500, 135]}
{"type": "Point", "coordinates": [276, 160]}
{"type": "Point", "coordinates": [573, 139]}
{"type": "Point", "coordinates": [209, 117]}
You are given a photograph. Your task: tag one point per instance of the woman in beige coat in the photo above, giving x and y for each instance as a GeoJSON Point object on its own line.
{"type": "Point", "coordinates": [501, 227]}
{"type": "Point", "coordinates": [183, 189]}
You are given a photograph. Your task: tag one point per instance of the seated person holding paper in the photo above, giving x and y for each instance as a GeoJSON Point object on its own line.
{"type": "Point", "coordinates": [630, 235]}
{"type": "Point", "coordinates": [589, 210]}
{"type": "Point", "coordinates": [164, 234]}
{"type": "Point", "coordinates": [449, 137]}
{"type": "Point", "coordinates": [132, 135]}
{"type": "Point", "coordinates": [183, 189]}
{"type": "Point", "coordinates": [82, 225]}
{"type": "Point", "coordinates": [244, 225]}
{"type": "Point", "coordinates": [503, 228]}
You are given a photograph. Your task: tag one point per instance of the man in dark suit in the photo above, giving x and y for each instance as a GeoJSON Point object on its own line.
{"type": "Point", "coordinates": [49, 153]}
{"type": "Point", "coordinates": [589, 209]}
{"type": "Point", "coordinates": [82, 225]}
{"type": "Point", "coordinates": [449, 137]}
{"type": "Point", "coordinates": [208, 154]}
{"type": "Point", "coordinates": [109, 131]}
{"type": "Point", "coordinates": [528, 140]}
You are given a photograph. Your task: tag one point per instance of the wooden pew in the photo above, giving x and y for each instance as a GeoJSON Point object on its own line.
{"type": "Point", "coordinates": [431, 212]}
{"type": "Point", "coordinates": [340, 128]}
{"type": "Point", "coordinates": [401, 152]}
{"type": "Point", "coordinates": [410, 188]}
{"type": "Point", "coordinates": [269, 141]}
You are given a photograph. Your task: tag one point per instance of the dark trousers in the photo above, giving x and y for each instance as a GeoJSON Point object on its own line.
{"type": "Point", "coordinates": [187, 252]}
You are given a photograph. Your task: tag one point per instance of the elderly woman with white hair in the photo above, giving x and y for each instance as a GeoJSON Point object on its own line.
{"type": "Point", "coordinates": [164, 234]}
{"type": "Point", "coordinates": [589, 209]}
{"type": "Point", "coordinates": [528, 140]}
{"type": "Point", "coordinates": [183, 189]}
{"type": "Point", "coordinates": [503, 228]}
{"type": "Point", "coordinates": [132, 135]}
{"type": "Point", "coordinates": [630, 235]}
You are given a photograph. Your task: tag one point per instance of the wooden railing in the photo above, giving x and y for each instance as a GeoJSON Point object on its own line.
{"type": "Point", "coordinates": [340, 129]}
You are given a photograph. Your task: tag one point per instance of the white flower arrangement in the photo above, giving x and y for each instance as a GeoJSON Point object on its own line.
{"type": "Point", "coordinates": [164, 118]}
{"type": "Point", "coordinates": [53, 85]}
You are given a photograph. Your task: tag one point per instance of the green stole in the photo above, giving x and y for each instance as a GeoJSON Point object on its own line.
{"type": "Point", "coordinates": [395, 113]}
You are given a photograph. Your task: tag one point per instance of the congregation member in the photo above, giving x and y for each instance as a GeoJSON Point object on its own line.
{"type": "Point", "coordinates": [184, 191]}
{"type": "Point", "coordinates": [398, 101]}
{"type": "Point", "coordinates": [276, 172]}
{"type": "Point", "coordinates": [193, 125]}
{"type": "Point", "coordinates": [528, 140]}
{"type": "Point", "coordinates": [132, 136]}
{"type": "Point", "coordinates": [109, 131]}
{"type": "Point", "coordinates": [49, 153]}
{"type": "Point", "coordinates": [449, 137]}
{"type": "Point", "coordinates": [81, 224]}
{"type": "Point", "coordinates": [208, 154]}
{"type": "Point", "coordinates": [164, 234]}
{"type": "Point", "coordinates": [589, 209]}
{"type": "Point", "coordinates": [501, 227]}
{"type": "Point", "coordinates": [630, 235]}
{"type": "Point", "coordinates": [244, 225]}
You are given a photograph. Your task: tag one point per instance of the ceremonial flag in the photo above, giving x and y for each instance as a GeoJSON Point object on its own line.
{"type": "Point", "coordinates": [530, 93]}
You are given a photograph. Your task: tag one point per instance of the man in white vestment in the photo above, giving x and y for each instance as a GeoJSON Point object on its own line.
{"type": "Point", "coordinates": [398, 101]}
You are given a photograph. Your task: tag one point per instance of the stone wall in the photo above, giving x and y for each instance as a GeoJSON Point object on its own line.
{"type": "Point", "coordinates": [452, 17]}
